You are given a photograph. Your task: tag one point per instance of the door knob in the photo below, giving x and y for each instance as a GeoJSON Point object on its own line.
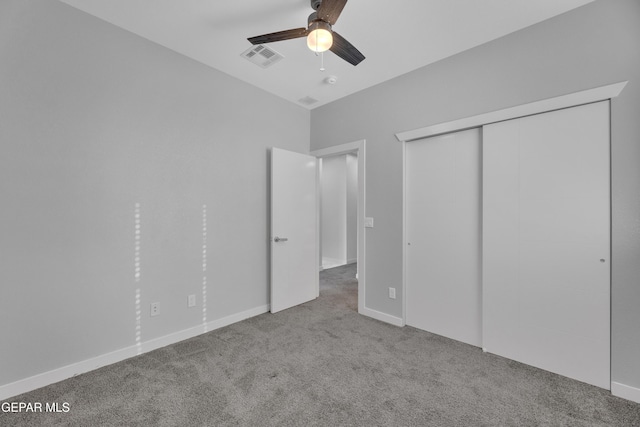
{"type": "Point", "coordinates": [280, 239]}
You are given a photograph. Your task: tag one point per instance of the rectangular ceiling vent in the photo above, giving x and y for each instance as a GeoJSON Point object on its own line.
{"type": "Point", "coordinates": [262, 55]}
{"type": "Point", "coordinates": [307, 100]}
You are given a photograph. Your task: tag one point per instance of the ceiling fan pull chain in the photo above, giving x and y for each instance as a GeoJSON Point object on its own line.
{"type": "Point", "coordinates": [321, 61]}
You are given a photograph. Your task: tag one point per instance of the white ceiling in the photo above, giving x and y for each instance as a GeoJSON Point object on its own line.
{"type": "Point", "coordinates": [396, 36]}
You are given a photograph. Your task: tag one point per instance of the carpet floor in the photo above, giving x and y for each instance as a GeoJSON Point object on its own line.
{"type": "Point", "coordinates": [322, 364]}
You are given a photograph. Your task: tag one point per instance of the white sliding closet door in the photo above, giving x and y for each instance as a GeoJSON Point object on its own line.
{"type": "Point", "coordinates": [443, 220]}
{"type": "Point", "coordinates": [546, 244]}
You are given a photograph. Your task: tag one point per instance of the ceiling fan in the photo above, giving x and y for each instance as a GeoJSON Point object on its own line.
{"type": "Point", "coordinates": [319, 34]}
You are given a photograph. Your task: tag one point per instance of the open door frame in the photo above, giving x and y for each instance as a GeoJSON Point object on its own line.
{"type": "Point", "coordinates": [358, 148]}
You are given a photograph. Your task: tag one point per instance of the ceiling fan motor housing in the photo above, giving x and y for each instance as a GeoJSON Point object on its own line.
{"type": "Point", "coordinates": [316, 22]}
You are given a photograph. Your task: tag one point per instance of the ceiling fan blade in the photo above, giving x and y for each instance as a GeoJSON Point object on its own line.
{"type": "Point", "coordinates": [330, 10]}
{"type": "Point", "coordinates": [346, 50]}
{"type": "Point", "coordinates": [279, 36]}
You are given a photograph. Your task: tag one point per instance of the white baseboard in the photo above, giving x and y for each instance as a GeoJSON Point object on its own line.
{"type": "Point", "coordinates": [65, 372]}
{"type": "Point", "coordinates": [352, 261]}
{"type": "Point", "coordinates": [383, 317]}
{"type": "Point", "coordinates": [332, 262]}
{"type": "Point", "coordinates": [59, 374]}
{"type": "Point", "coordinates": [625, 392]}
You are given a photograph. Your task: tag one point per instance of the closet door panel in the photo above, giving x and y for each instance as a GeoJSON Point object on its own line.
{"type": "Point", "coordinates": [500, 233]}
{"type": "Point", "coordinates": [546, 228]}
{"type": "Point", "coordinates": [443, 179]}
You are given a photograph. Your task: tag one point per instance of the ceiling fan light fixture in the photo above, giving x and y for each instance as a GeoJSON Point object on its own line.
{"type": "Point", "coordinates": [319, 33]}
{"type": "Point", "coordinates": [320, 38]}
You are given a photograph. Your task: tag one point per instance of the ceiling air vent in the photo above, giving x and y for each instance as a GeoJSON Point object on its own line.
{"type": "Point", "coordinates": [307, 100]}
{"type": "Point", "coordinates": [262, 55]}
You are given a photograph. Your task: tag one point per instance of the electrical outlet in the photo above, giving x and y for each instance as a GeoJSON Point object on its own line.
{"type": "Point", "coordinates": [155, 308]}
{"type": "Point", "coordinates": [191, 301]}
{"type": "Point", "coordinates": [392, 293]}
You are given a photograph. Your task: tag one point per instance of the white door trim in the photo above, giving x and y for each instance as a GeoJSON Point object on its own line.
{"type": "Point", "coordinates": [564, 101]}
{"type": "Point", "coordinates": [357, 147]}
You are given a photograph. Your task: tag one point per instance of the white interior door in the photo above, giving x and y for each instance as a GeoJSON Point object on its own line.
{"type": "Point", "coordinates": [294, 266]}
{"type": "Point", "coordinates": [546, 243]}
{"type": "Point", "coordinates": [443, 231]}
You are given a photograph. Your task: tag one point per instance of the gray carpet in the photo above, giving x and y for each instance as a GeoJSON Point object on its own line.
{"type": "Point", "coordinates": [323, 364]}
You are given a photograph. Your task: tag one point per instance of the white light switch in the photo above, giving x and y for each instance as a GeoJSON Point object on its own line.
{"type": "Point", "coordinates": [368, 222]}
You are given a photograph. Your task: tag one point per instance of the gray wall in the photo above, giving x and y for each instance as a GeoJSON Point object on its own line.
{"type": "Point", "coordinates": [339, 204]}
{"type": "Point", "coordinates": [93, 120]}
{"type": "Point", "coordinates": [352, 208]}
{"type": "Point", "coordinates": [333, 194]}
{"type": "Point", "coordinates": [594, 45]}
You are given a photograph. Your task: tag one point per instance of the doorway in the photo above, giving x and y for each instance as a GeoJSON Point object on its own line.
{"type": "Point", "coordinates": [356, 151]}
{"type": "Point", "coordinates": [338, 210]}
